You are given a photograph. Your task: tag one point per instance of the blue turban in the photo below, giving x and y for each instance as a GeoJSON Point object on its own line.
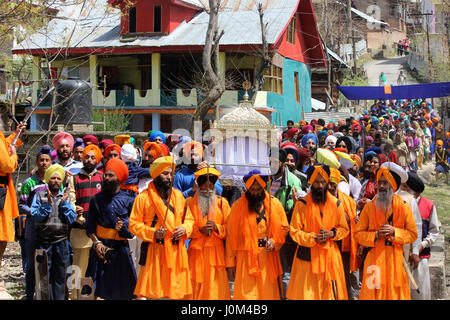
{"type": "Point", "coordinates": [78, 143]}
{"type": "Point", "coordinates": [309, 136]}
{"type": "Point", "coordinates": [322, 133]}
{"type": "Point", "coordinates": [156, 134]}
{"type": "Point", "coordinates": [377, 150]}
{"type": "Point", "coordinates": [44, 150]}
{"type": "Point", "coordinates": [370, 153]}
{"type": "Point", "coordinates": [406, 122]}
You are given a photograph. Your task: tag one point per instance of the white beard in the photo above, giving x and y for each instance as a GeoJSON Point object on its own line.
{"type": "Point", "coordinates": [383, 200]}
{"type": "Point", "coordinates": [206, 201]}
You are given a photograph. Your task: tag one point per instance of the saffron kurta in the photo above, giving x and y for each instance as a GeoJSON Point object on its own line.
{"type": "Point", "coordinates": [384, 276]}
{"type": "Point", "coordinates": [207, 253]}
{"type": "Point", "coordinates": [8, 164]}
{"type": "Point", "coordinates": [166, 270]}
{"type": "Point", "coordinates": [349, 243]}
{"type": "Point", "coordinates": [313, 280]}
{"type": "Point", "coordinates": [257, 271]}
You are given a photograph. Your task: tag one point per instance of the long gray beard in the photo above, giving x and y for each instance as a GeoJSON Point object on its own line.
{"type": "Point", "coordinates": [383, 200]}
{"type": "Point", "coordinates": [206, 201]}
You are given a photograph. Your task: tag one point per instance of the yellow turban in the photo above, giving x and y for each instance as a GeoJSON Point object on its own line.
{"type": "Point", "coordinates": [335, 175]}
{"type": "Point", "coordinates": [210, 170]}
{"type": "Point", "coordinates": [160, 165]}
{"type": "Point", "coordinates": [55, 168]}
{"type": "Point", "coordinates": [327, 157]}
{"type": "Point", "coordinates": [122, 139]}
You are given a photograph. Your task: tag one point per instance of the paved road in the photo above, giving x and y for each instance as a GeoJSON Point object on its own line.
{"type": "Point", "coordinates": [391, 68]}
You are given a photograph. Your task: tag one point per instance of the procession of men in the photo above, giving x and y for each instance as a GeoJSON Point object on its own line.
{"type": "Point", "coordinates": [342, 217]}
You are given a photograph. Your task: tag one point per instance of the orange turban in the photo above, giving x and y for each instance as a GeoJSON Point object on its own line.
{"type": "Point", "coordinates": [155, 149]}
{"type": "Point", "coordinates": [302, 122]}
{"type": "Point", "coordinates": [447, 134]}
{"type": "Point", "coordinates": [335, 175]}
{"type": "Point", "coordinates": [435, 120]}
{"type": "Point", "coordinates": [315, 170]}
{"type": "Point", "coordinates": [388, 175]}
{"type": "Point", "coordinates": [429, 122]}
{"type": "Point", "coordinates": [120, 169]}
{"type": "Point", "coordinates": [440, 142]}
{"type": "Point", "coordinates": [193, 145]}
{"type": "Point", "coordinates": [94, 149]}
{"type": "Point", "coordinates": [357, 159]}
{"type": "Point", "coordinates": [112, 147]}
{"type": "Point", "coordinates": [160, 165]}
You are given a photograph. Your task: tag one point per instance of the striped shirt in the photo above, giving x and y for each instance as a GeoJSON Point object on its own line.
{"type": "Point", "coordinates": [27, 192]}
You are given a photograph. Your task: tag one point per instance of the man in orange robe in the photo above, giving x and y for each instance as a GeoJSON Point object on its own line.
{"type": "Point", "coordinates": [348, 245]}
{"type": "Point", "coordinates": [206, 250]}
{"type": "Point", "coordinates": [162, 220]}
{"type": "Point", "coordinates": [9, 209]}
{"type": "Point", "coordinates": [256, 229]}
{"type": "Point", "coordinates": [385, 225]}
{"type": "Point", "coordinates": [318, 221]}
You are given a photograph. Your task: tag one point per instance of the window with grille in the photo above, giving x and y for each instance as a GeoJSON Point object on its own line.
{"type": "Point", "coordinates": [273, 79]}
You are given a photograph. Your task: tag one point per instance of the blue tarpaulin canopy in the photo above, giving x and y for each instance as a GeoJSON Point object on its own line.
{"type": "Point", "coordinates": [412, 91]}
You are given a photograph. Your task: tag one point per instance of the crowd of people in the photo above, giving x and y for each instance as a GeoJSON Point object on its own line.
{"type": "Point", "coordinates": [335, 221]}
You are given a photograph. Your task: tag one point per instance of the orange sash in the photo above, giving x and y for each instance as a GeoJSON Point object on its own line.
{"type": "Point", "coordinates": [379, 250]}
{"type": "Point", "coordinates": [217, 260]}
{"type": "Point", "coordinates": [108, 233]}
{"type": "Point", "coordinates": [173, 220]}
{"type": "Point", "coordinates": [244, 235]}
{"type": "Point", "coordinates": [321, 256]}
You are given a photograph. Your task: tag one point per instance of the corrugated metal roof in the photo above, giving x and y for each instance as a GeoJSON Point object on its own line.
{"type": "Point", "coordinates": [334, 55]}
{"type": "Point", "coordinates": [99, 26]}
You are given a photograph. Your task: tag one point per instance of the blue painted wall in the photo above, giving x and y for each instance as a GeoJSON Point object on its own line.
{"type": "Point", "coordinates": [285, 103]}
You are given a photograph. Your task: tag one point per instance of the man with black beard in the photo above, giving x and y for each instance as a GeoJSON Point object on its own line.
{"type": "Point", "coordinates": [318, 221]}
{"type": "Point", "coordinates": [52, 213]}
{"type": "Point", "coordinates": [162, 220]}
{"type": "Point", "coordinates": [85, 185]}
{"type": "Point", "coordinates": [184, 179]}
{"type": "Point", "coordinates": [256, 230]}
{"type": "Point", "coordinates": [287, 188]}
{"type": "Point", "coordinates": [63, 144]}
{"type": "Point", "coordinates": [107, 226]}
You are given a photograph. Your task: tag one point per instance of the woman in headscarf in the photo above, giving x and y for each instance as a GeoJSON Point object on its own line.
{"type": "Point", "coordinates": [369, 187]}
{"type": "Point", "coordinates": [420, 147]}
{"type": "Point", "coordinates": [401, 149]}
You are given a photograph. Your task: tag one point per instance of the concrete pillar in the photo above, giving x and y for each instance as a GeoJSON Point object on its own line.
{"type": "Point", "coordinates": [156, 79]}
{"type": "Point", "coordinates": [36, 75]}
{"type": "Point", "coordinates": [156, 121]}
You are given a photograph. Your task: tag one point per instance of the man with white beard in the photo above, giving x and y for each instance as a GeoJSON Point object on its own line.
{"type": "Point", "coordinates": [385, 225]}
{"type": "Point", "coordinates": [206, 252]}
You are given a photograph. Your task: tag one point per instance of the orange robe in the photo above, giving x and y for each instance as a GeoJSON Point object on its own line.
{"type": "Point", "coordinates": [207, 254]}
{"type": "Point", "coordinates": [313, 280]}
{"type": "Point", "coordinates": [384, 276]}
{"type": "Point", "coordinates": [166, 270]}
{"type": "Point", "coordinates": [349, 243]}
{"type": "Point", "coordinates": [257, 271]}
{"type": "Point", "coordinates": [8, 164]}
